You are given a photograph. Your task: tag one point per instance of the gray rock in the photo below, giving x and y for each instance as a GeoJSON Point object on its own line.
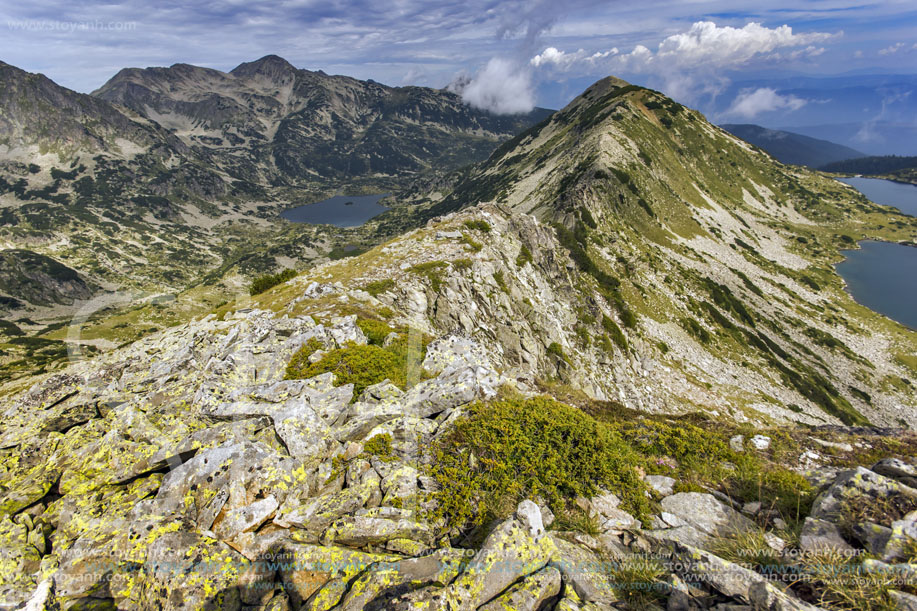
{"type": "Point", "coordinates": [821, 536]}
{"type": "Point", "coordinates": [873, 537]}
{"type": "Point", "coordinates": [375, 528]}
{"type": "Point", "coordinates": [859, 483]}
{"type": "Point", "coordinates": [246, 518]}
{"type": "Point", "coordinates": [436, 569]}
{"type": "Point", "coordinates": [897, 469]}
{"type": "Point", "coordinates": [187, 571]}
{"type": "Point", "coordinates": [304, 433]}
{"type": "Point", "coordinates": [737, 443]}
{"type": "Point", "coordinates": [706, 513]}
{"type": "Point", "coordinates": [902, 538]}
{"type": "Point", "coordinates": [530, 594]}
{"type": "Point", "coordinates": [903, 601]}
{"type": "Point", "coordinates": [583, 571]}
{"type": "Point", "coordinates": [662, 485]}
{"type": "Point", "coordinates": [508, 553]}
{"type": "Point", "coordinates": [454, 352]}
{"type": "Point", "coordinates": [529, 515]}
{"type": "Point", "coordinates": [765, 596]}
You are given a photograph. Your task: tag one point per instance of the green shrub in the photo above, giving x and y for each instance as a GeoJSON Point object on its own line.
{"type": "Point", "coordinates": [556, 349]}
{"type": "Point", "coordinates": [501, 281]}
{"type": "Point", "coordinates": [379, 286]}
{"type": "Point", "coordinates": [263, 283]}
{"type": "Point", "coordinates": [380, 446]}
{"type": "Point", "coordinates": [614, 331]}
{"type": "Point", "coordinates": [432, 271]}
{"type": "Point", "coordinates": [461, 264]}
{"type": "Point", "coordinates": [525, 256]}
{"type": "Point", "coordinates": [361, 366]}
{"type": "Point", "coordinates": [375, 330]}
{"type": "Point", "coordinates": [300, 360]}
{"type": "Point", "coordinates": [480, 225]}
{"type": "Point", "coordinates": [471, 243]}
{"type": "Point", "coordinates": [504, 451]}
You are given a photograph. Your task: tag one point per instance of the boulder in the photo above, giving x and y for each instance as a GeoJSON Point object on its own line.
{"type": "Point", "coordinates": [185, 570]}
{"type": "Point", "coordinates": [872, 537]}
{"type": "Point", "coordinates": [894, 468]}
{"type": "Point", "coordinates": [857, 485]}
{"type": "Point", "coordinates": [660, 484]}
{"type": "Point", "coordinates": [530, 594]}
{"type": "Point", "coordinates": [821, 536]}
{"type": "Point", "coordinates": [377, 526]}
{"type": "Point", "coordinates": [583, 571]}
{"type": "Point", "coordinates": [305, 569]}
{"type": "Point", "coordinates": [436, 569]}
{"type": "Point", "coordinates": [705, 513]}
{"type": "Point", "coordinates": [517, 547]}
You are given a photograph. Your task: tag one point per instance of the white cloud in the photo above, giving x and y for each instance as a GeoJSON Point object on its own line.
{"type": "Point", "coordinates": [562, 60]}
{"type": "Point", "coordinates": [892, 49]}
{"type": "Point", "coordinates": [707, 45]}
{"type": "Point", "coordinates": [752, 102]}
{"type": "Point", "coordinates": [502, 87]}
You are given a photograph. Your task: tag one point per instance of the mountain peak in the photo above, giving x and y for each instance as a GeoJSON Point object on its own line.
{"type": "Point", "coordinates": [269, 65]}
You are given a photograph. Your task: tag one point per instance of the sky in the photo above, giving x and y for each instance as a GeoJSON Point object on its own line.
{"type": "Point", "coordinates": [729, 58]}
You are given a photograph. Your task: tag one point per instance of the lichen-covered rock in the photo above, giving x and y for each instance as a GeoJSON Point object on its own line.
{"type": "Point", "coordinates": [517, 547]}
{"type": "Point", "coordinates": [305, 569]}
{"type": "Point", "coordinates": [822, 536]}
{"type": "Point", "coordinates": [585, 573]}
{"type": "Point", "coordinates": [530, 594]}
{"type": "Point", "coordinates": [378, 526]}
{"type": "Point", "coordinates": [895, 468]}
{"type": "Point", "coordinates": [385, 580]}
{"type": "Point", "coordinates": [184, 570]}
{"type": "Point", "coordinates": [705, 513]}
{"type": "Point", "coordinates": [858, 484]}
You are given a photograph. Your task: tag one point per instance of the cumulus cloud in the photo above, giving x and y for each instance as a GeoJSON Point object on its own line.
{"type": "Point", "coordinates": [562, 60]}
{"type": "Point", "coordinates": [502, 87]}
{"type": "Point", "coordinates": [708, 46]}
{"type": "Point", "coordinates": [752, 102]}
{"type": "Point", "coordinates": [705, 43]}
{"type": "Point", "coordinates": [891, 50]}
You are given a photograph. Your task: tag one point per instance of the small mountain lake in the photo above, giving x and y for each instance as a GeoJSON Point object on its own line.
{"type": "Point", "coordinates": [340, 210]}
{"type": "Point", "coordinates": [886, 192]}
{"type": "Point", "coordinates": [883, 277]}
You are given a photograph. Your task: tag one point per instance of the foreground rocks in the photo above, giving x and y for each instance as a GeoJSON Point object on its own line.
{"type": "Point", "coordinates": [184, 472]}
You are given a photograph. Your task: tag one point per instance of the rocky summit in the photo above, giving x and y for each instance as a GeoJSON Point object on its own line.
{"type": "Point", "coordinates": [611, 367]}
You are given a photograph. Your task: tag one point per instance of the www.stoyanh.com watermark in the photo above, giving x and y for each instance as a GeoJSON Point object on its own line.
{"type": "Point", "coordinates": [47, 25]}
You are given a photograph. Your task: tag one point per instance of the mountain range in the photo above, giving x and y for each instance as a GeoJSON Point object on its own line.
{"type": "Point", "coordinates": [793, 148]}
{"type": "Point", "coordinates": [166, 178]}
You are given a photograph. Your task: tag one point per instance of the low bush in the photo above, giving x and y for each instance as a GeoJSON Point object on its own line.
{"type": "Point", "coordinates": [375, 330]}
{"type": "Point", "coordinates": [361, 366]}
{"type": "Point", "coordinates": [461, 264]}
{"type": "Point", "coordinates": [378, 287]}
{"type": "Point", "coordinates": [263, 283]}
{"type": "Point", "coordinates": [379, 446]}
{"type": "Point", "coordinates": [614, 332]}
{"type": "Point", "coordinates": [557, 350]}
{"type": "Point", "coordinates": [432, 271]}
{"type": "Point", "coordinates": [480, 225]}
{"type": "Point", "coordinates": [525, 256]}
{"type": "Point", "coordinates": [508, 450]}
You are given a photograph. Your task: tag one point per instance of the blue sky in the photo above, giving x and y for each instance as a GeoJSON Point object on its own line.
{"type": "Point", "coordinates": [513, 54]}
